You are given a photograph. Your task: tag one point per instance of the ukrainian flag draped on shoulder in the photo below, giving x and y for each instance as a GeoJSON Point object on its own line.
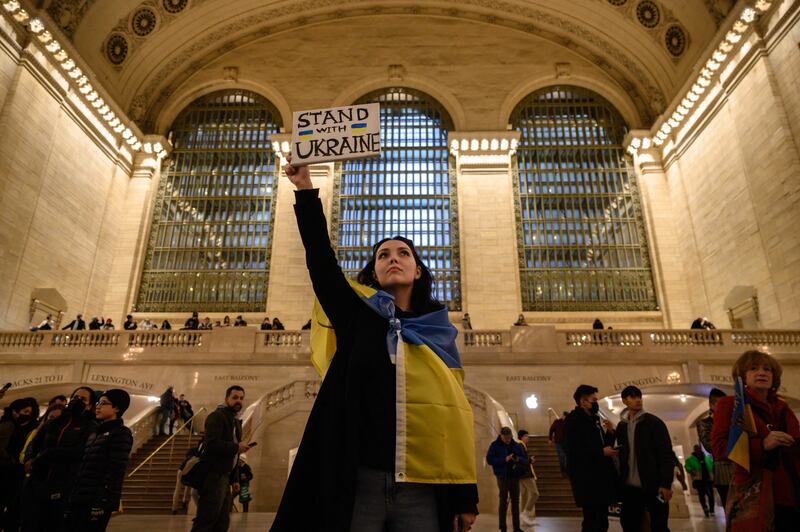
{"type": "Point", "coordinates": [434, 438]}
{"type": "Point", "coordinates": [742, 425]}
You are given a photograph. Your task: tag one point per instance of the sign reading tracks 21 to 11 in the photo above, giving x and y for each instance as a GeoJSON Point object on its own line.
{"type": "Point", "coordinates": [336, 134]}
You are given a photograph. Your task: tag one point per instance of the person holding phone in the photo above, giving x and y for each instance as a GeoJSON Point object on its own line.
{"type": "Point", "coordinates": [222, 446]}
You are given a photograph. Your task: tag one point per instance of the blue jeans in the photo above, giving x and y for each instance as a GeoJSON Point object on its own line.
{"type": "Point", "coordinates": [383, 505]}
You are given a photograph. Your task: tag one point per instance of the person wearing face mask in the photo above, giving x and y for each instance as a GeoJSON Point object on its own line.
{"type": "Point", "coordinates": [222, 446]}
{"type": "Point", "coordinates": [17, 422]}
{"type": "Point", "coordinates": [589, 448]}
{"type": "Point", "coordinates": [98, 481]}
{"type": "Point", "coordinates": [774, 455]}
{"type": "Point", "coordinates": [57, 455]}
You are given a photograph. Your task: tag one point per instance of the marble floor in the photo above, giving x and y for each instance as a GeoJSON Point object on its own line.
{"type": "Point", "coordinates": [486, 523]}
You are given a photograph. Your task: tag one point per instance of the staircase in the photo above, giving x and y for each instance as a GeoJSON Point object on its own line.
{"type": "Point", "coordinates": [149, 490]}
{"type": "Point", "coordinates": [555, 493]}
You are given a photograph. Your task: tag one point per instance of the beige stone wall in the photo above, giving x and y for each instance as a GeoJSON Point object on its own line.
{"type": "Point", "coordinates": [735, 189]}
{"type": "Point", "coordinates": [61, 197]}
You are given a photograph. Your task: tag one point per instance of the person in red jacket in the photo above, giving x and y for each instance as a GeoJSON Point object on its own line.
{"type": "Point", "coordinates": [774, 446]}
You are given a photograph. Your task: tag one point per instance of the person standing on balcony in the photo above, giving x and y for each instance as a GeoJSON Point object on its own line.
{"type": "Point", "coordinates": [647, 467]}
{"type": "Point", "coordinates": [108, 325]}
{"type": "Point", "coordinates": [222, 446]}
{"type": "Point", "coordinates": [723, 468]}
{"type": "Point", "coordinates": [130, 324]}
{"type": "Point", "coordinates": [98, 482]}
{"type": "Point", "coordinates": [266, 325]}
{"type": "Point", "coordinates": [466, 322]}
{"type": "Point", "coordinates": [556, 437]}
{"type": "Point", "coordinates": [167, 402]}
{"type": "Point", "coordinates": [95, 324]}
{"type": "Point", "coordinates": [389, 442]}
{"type": "Point", "coordinates": [589, 445]}
{"type": "Point", "coordinates": [277, 325]}
{"type": "Point", "coordinates": [76, 325]}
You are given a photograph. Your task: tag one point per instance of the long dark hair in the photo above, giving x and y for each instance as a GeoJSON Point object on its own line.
{"type": "Point", "coordinates": [422, 299]}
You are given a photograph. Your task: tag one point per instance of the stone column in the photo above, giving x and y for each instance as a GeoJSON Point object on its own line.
{"type": "Point", "coordinates": [134, 222]}
{"type": "Point", "coordinates": [290, 296]}
{"type": "Point", "coordinates": [487, 227]}
{"type": "Point", "coordinates": [667, 262]}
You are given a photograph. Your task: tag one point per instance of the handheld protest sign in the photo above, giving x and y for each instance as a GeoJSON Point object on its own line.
{"type": "Point", "coordinates": [336, 134]}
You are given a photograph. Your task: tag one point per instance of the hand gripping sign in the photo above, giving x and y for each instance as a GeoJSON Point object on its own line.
{"type": "Point", "coordinates": [336, 134]}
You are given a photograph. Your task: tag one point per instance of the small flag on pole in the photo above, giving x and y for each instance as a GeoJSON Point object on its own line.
{"type": "Point", "coordinates": [742, 425]}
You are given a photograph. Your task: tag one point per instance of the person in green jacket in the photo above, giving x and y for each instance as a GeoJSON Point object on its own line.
{"type": "Point", "coordinates": [700, 467]}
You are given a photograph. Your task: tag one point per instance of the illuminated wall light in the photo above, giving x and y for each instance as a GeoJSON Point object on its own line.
{"type": "Point", "coordinates": [683, 111]}
{"type": "Point", "coordinates": [732, 37]}
{"type": "Point", "coordinates": [692, 97]}
{"type": "Point", "coordinates": [127, 134]}
{"type": "Point", "coordinates": [114, 122]}
{"type": "Point", "coordinates": [712, 65]}
{"type": "Point", "coordinates": [687, 103]}
{"type": "Point", "coordinates": [763, 5]}
{"type": "Point", "coordinates": [69, 64]}
{"type": "Point", "coordinates": [673, 123]}
{"type": "Point", "coordinates": [703, 82]}
{"type": "Point", "coordinates": [83, 80]}
{"type": "Point", "coordinates": [453, 145]}
{"type": "Point", "coordinates": [75, 72]}
{"type": "Point", "coordinates": [657, 141]}
{"type": "Point", "coordinates": [719, 56]}
{"type": "Point", "coordinates": [697, 89]}
{"type": "Point", "coordinates": [706, 73]}
{"type": "Point", "coordinates": [137, 146]}
{"type": "Point", "coordinates": [45, 37]}
{"type": "Point", "coordinates": [11, 6]}
{"type": "Point", "coordinates": [53, 47]}
{"type": "Point", "coordinates": [158, 147]}
{"type": "Point", "coordinates": [494, 145]}
{"type": "Point", "coordinates": [108, 116]}
{"type": "Point", "coordinates": [666, 128]}
{"type": "Point", "coordinates": [92, 96]}
{"type": "Point", "coordinates": [504, 144]}
{"type": "Point", "coordinates": [636, 142]}
{"type": "Point", "coordinates": [60, 55]}
{"type": "Point", "coordinates": [484, 144]}
{"type": "Point", "coordinates": [119, 128]}
{"type": "Point", "coordinates": [473, 145]}
{"type": "Point", "coordinates": [36, 25]}
{"type": "Point", "coordinates": [132, 140]}
{"type": "Point", "coordinates": [98, 103]}
{"type": "Point", "coordinates": [285, 146]}
{"type": "Point", "coordinates": [21, 15]}
{"type": "Point", "coordinates": [646, 143]}
{"type": "Point", "coordinates": [103, 110]}
{"type": "Point", "coordinates": [748, 15]}
{"type": "Point", "coordinates": [739, 26]}
{"type": "Point", "coordinates": [725, 46]}
{"type": "Point", "coordinates": [532, 402]}
{"type": "Point", "coordinates": [631, 150]}
{"type": "Point", "coordinates": [148, 148]}
{"type": "Point", "coordinates": [86, 89]}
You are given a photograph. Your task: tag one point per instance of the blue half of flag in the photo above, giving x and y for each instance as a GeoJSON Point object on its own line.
{"type": "Point", "coordinates": [305, 133]}
{"type": "Point", "coordinates": [359, 125]}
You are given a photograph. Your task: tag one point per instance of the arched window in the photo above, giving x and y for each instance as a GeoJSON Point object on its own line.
{"type": "Point", "coordinates": [408, 191]}
{"type": "Point", "coordinates": [211, 235]}
{"type": "Point", "coordinates": [581, 236]}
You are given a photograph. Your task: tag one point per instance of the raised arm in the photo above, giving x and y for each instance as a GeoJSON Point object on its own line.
{"type": "Point", "coordinates": [334, 293]}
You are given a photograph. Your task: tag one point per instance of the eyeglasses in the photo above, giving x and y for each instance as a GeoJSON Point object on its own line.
{"type": "Point", "coordinates": [102, 403]}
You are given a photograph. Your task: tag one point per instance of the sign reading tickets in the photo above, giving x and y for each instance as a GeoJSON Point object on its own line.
{"type": "Point", "coordinates": [336, 134]}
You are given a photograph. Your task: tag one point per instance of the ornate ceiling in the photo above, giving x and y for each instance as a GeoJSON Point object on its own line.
{"type": "Point", "coordinates": [145, 49]}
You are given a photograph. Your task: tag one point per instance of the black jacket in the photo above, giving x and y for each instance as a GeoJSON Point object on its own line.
{"type": "Point", "coordinates": [591, 474]}
{"type": "Point", "coordinates": [352, 422]}
{"type": "Point", "coordinates": [102, 470]}
{"type": "Point", "coordinates": [58, 450]}
{"type": "Point", "coordinates": [653, 450]}
{"type": "Point", "coordinates": [220, 448]}
{"type": "Point", "coordinates": [76, 324]}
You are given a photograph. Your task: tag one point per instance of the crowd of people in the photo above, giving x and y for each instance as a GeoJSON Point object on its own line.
{"type": "Point", "coordinates": [633, 463]}
{"type": "Point", "coordinates": [63, 470]}
{"type": "Point", "coordinates": [146, 324]}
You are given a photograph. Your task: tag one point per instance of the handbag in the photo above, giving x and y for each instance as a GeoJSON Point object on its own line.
{"type": "Point", "coordinates": [751, 504]}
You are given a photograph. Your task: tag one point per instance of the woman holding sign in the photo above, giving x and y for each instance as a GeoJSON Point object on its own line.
{"type": "Point", "coordinates": [389, 442]}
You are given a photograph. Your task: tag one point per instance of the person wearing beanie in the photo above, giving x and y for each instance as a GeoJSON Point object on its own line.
{"type": "Point", "coordinates": [508, 460]}
{"type": "Point", "coordinates": [98, 483]}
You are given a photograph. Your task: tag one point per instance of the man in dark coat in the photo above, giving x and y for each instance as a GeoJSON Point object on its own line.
{"type": "Point", "coordinates": [503, 455]}
{"type": "Point", "coordinates": [76, 325]}
{"type": "Point", "coordinates": [646, 465]}
{"type": "Point", "coordinates": [222, 447]}
{"type": "Point", "coordinates": [723, 468]}
{"type": "Point", "coordinates": [589, 459]}
{"type": "Point", "coordinates": [98, 483]}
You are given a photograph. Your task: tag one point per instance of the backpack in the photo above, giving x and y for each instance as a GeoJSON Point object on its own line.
{"type": "Point", "coordinates": [193, 471]}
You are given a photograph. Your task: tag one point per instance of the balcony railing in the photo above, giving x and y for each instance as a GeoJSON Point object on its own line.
{"type": "Point", "coordinates": [293, 346]}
